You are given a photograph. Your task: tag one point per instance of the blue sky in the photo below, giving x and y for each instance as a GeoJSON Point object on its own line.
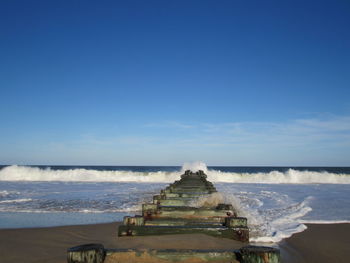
{"type": "Point", "coordinates": [168, 82]}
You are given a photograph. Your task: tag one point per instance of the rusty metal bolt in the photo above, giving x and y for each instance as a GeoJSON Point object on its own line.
{"type": "Point", "coordinates": [129, 232]}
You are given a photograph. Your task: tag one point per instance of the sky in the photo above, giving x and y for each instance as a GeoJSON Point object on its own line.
{"type": "Point", "coordinates": [166, 82]}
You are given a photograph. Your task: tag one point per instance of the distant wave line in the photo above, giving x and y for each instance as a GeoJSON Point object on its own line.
{"type": "Point", "coordinates": [291, 176]}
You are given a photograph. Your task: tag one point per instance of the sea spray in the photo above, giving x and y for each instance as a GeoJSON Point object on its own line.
{"type": "Point", "coordinates": [194, 167]}
{"type": "Point", "coordinates": [211, 200]}
{"type": "Point", "coordinates": [265, 225]}
{"type": "Point", "coordinates": [269, 224]}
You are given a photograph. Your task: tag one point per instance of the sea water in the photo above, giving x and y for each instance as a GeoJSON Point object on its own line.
{"type": "Point", "coordinates": [277, 201]}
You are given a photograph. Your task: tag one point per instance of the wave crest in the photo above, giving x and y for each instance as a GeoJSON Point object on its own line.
{"type": "Point", "coordinates": [291, 176]}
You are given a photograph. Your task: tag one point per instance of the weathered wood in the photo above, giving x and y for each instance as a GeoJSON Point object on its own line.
{"type": "Point", "coordinates": [149, 208]}
{"type": "Point", "coordinates": [236, 222]}
{"type": "Point", "coordinates": [259, 254]}
{"type": "Point", "coordinates": [188, 212]}
{"type": "Point", "coordinates": [171, 256]}
{"type": "Point", "coordinates": [89, 253]}
{"type": "Point", "coordinates": [240, 234]}
{"type": "Point", "coordinates": [136, 220]}
{"type": "Point", "coordinates": [172, 202]}
{"type": "Point", "coordinates": [184, 222]}
{"type": "Point", "coordinates": [95, 253]}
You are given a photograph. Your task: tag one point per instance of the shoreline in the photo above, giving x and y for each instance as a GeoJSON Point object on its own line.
{"type": "Point", "coordinates": [318, 243]}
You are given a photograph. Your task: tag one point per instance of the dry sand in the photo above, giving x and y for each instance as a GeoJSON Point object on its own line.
{"type": "Point", "coordinates": [319, 243]}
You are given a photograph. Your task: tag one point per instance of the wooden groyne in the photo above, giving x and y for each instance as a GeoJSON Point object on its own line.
{"type": "Point", "coordinates": [174, 211]}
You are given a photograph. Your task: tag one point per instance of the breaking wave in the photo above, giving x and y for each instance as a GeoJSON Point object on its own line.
{"type": "Point", "coordinates": [269, 224]}
{"type": "Point", "coordinates": [291, 176]}
{"type": "Point", "coordinates": [25, 173]}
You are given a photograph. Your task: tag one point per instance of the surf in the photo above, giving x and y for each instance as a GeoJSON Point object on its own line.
{"type": "Point", "coordinates": [290, 176]}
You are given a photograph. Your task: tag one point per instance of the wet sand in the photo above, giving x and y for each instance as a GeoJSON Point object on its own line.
{"type": "Point", "coordinates": [319, 243]}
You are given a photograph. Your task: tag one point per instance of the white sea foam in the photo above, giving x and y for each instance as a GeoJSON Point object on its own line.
{"type": "Point", "coordinates": [324, 221]}
{"type": "Point", "coordinates": [211, 200]}
{"type": "Point", "coordinates": [16, 201]}
{"type": "Point", "coordinates": [291, 176]}
{"type": "Point", "coordinates": [132, 209]}
{"type": "Point", "coordinates": [8, 194]}
{"type": "Point", "coordinates": [4, 193]}
{"type": "Point", "coordinates": [269, 225]}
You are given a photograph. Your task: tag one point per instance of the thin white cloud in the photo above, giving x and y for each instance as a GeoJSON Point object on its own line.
{"type": "Point", "coordinates": [169, 124]}
{"type": "Point", "coordinates": [301, 132]}
{"type": "Point", "coordinates": [312, 141]}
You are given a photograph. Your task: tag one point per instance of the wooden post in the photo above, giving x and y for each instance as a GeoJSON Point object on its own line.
{"type": "Point", "coordinates": [259, 254]}
{"type": "Point", "coordinates": [89, 253]}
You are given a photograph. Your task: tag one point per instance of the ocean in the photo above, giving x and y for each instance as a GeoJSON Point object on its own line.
{"type": "Point", "coordinates": [278, 201]}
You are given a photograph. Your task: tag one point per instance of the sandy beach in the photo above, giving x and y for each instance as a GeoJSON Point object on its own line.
{"type": "Point", "coordinates": [319, 243]}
